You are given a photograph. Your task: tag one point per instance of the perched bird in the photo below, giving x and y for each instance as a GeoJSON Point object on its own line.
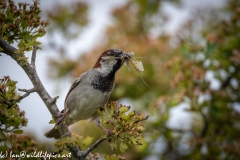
{"type": "Point", "coordinates": [91, 90]}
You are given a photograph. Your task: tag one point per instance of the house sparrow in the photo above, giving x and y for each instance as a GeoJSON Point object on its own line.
{"type": "Point", "coordinates": [91, 90]}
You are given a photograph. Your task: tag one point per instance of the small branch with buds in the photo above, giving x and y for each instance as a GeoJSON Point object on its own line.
{"type": "Point", "coordinates": [28, 92]}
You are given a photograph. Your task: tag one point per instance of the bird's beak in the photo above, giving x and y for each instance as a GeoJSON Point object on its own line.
{"type": "Point", "coordinates": [124, 56]}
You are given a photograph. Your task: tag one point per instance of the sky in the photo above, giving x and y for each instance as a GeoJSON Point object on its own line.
{"type": "Point", "coordinates": [37, 114]}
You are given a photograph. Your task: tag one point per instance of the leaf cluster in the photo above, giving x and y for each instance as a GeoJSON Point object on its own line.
{"type": "Point", "coordinates": [82, 142]}
{"type": "Point", "coordinates": [123, 124]}
{"type": "Point", "coordinates": [124, 128]}
{"type": "Point", "coordinates": [21, 22]}
{"type": "Point", "coordinates": [63, 144]}
{"type": "Point", "coordinates": [11, 117]}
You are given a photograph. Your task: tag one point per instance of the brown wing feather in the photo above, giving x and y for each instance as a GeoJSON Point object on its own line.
{"type": "Point", "coordinates": [75, 83]}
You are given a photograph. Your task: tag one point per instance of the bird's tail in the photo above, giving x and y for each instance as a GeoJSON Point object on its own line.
{"type": "Point", "coordinates": [53, 133]}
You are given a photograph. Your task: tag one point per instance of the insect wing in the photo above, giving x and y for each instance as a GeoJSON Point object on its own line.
{"type": "Point", "coordinates": [137, 64]}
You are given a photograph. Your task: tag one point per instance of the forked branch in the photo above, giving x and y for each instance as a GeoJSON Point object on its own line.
{"type": "Point", "coordinates": [28, 92]}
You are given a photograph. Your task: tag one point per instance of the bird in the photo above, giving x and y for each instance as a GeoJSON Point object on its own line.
{"type": "Point", "coordinates": [91, 90]}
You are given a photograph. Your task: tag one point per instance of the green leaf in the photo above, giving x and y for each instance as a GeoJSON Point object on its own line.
{"type": "Point", "coordinates": [123, 109]}
{"type": "Point", "coordinates": [100, 113]}
{"type": "Point", "coordinates": [113, 145]}
{"type": "Point", "coordinates": [131, 113]}
{"type": "Point", "coordinates": [140, 128]}
{"type": "Point", "coordinates": [52, 121]}
{"type": "Point", "coordinates": [18, 131]}
{"type": "Point", "coordinates": [40, 34]}
{"type": "Point", "coordinates": [123, 147]}
{"type": "Point", "coordinates": [5, 26]}
{"type": "Point", "coordinates": [125, 117]}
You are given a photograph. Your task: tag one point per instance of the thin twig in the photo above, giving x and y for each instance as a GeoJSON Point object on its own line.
{"type": "Point", "coordinates": [93, 146]}
{"type": "Point", "coordinates": [142, 119]}
{"type": "Point", "coordinates": [34, 56]}
{"type": "Point", "coordinates": [28, 92]}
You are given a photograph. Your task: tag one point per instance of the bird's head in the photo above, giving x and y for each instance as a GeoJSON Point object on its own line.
{"type": "Point", "coordinates": [110, 61]}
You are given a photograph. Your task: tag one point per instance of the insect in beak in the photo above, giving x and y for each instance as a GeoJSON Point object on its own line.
{"type": "Point", "coordinates": [132, 62]}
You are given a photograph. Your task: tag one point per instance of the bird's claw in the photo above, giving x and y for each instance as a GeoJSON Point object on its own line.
{"type": "Point", "coordinates": [61, 116]}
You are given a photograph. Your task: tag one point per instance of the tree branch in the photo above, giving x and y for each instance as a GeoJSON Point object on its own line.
{"type": "Point", "coordinates": [93, 146]}
{"type": "Point", "coordinates": [34, 56]}
{"type": "Point", "coordinates": [39, 88]}
{"type": "Point", "coordinates": [28, 92]}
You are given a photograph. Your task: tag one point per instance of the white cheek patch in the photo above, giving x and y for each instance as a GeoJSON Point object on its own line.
{"type": "Point", "coordinates": [107, 64]}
